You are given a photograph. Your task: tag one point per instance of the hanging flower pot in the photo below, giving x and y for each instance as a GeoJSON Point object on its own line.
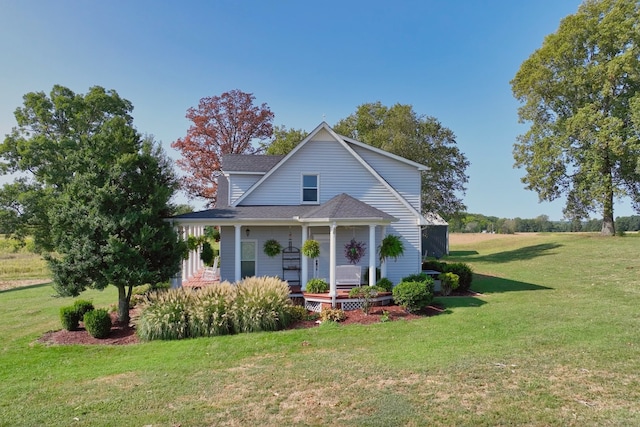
{"type": "Point", "coordinates": [354, 251]}
{"type": "Point", "coordinates": [311, 249]}
{"type": "Point", "coordinates": [272, 247]}
{"type": "Point", "coordinates": [391, 247]}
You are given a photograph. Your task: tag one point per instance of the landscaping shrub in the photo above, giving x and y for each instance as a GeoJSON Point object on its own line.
{"type": "Point", "coordinates": [364, 294]}
{"type": "Point", "coordinates": [332, 315]}
{"type": "Point", "coordinates": [261, 304]}
{"type": "Point", "coordinates": [317, 286]}
{"type": "Point", "coordinates": [211, 312]}
{"type": "Point", "coordinates": [82, 306]}
{"type": "Point", "coordinates": [165, 315]}
{"type": "Point", "coordinates": [464, 272]}
{"type": "Point", "coordinates": [449, 282]}
{"type": "Point", "coordinates": [434, 265]}
{"type": "Point", "coordinates": [385, 285]}
{"type": "Point", "coordinates": [413, 296]}
{"type": "Point", "coordinates": [206, 255]}
{"type": "Point", "coordinates": [69, 318]}
{"type": "Point", "coordinates": [422, 278]}
{"type": "Point", "coordinates": [98, 323]}
{"type": "Point", "coordinates": [298, 313]}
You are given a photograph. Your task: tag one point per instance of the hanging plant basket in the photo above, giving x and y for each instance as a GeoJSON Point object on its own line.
{"type": "Point", "coordinates": [354, 251]}
{"type": "Point", "coordinates": [272, 247]}
{"type": "Point", "coordinates": [311, 249]}
{"type": "Point", "coordinates": [391, 247]}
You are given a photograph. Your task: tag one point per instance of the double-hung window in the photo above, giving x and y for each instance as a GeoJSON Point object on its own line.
{"type": "Point", "coordinates": [310, 193]}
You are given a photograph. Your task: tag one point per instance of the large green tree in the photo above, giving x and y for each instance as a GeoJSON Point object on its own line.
{"type": "Point", "coordinates": [579, 92]}
{"type": "Point", "coordinates": [94, 192]}
{"type": "Point", "coordinates": [423, 139]}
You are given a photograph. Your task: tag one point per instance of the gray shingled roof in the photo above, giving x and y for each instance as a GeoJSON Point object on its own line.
{"type": "Point", "coordinates": [340, 207]}
{"type": "Point", "coordinates": [249, 162]}
{"type": "Point", "coordinates": [343, 206]}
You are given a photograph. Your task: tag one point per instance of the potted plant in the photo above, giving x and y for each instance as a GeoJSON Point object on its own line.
{"type": "Point", "coordinates": [354, 251]}
{"type": "Point", "coordinates": [311, 248]}
{"type": "Point", "coordinates": [272, 247]}
{"type": "Point", "coordinates": [390, 247]}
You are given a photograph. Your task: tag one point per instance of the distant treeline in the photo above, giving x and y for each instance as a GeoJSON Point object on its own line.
{"type": "Point", "coordinates": [478, 223]}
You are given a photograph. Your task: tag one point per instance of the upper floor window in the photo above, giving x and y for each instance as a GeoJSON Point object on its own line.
{"type": "Point", "coordinates": [310, 189]}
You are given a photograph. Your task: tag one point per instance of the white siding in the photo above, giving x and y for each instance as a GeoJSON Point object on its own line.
{"type": "Point", "coordinates": [239, 184]}
{"type": "Point", "coordinates": [404, 178]}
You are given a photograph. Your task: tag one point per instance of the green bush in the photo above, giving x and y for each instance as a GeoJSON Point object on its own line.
{"type": "Point", "coordinates": [385, 285]}
{"type": "Point", "coordinates": [82, 306]}
{"type": "Point", "coordinates": [413, 296]}
{"type": "Point", "coordinates": [449, 282]}
{"type": "Point", "coordinates": [98, 323]}
{"type": "Point", "coordinates": [464, 272]}
{"type": "Point", "coordinates": [317, 286]}
{"type": "Point", "coordinates": [332, 315]}
{"type": "Point", "coordinates": [298, 313]}
{"type": "Point", "coordinates": [434, 265]}
{"type": "Point", "coordinates": [364, 294]}
{"type": "Point", "coordinates": [69, 318]}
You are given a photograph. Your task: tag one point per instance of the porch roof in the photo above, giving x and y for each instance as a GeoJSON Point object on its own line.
{"type": "Point", "coordinates": [342, 208]}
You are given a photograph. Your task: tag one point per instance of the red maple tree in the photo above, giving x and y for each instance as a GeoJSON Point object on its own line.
{"type": "Point", "coordinates": [225, 124]}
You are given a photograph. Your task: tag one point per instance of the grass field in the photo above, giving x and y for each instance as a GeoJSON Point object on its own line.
{"type": "Point", "coordinates": [553, 339]}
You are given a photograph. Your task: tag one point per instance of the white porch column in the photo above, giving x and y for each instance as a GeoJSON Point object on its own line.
{"type": "Point", "coordinates": [176, 280]}
{"type": "Point", "coordinates": [333, 292]}
{"type": "Point", "coordinates": [192, 254]}
{"type": "Point", "coordinates": [185, 262]}
{"type": "Point", "coordinates": [383, 263]}
{"type": "Point", "coordinates": [238, 270]}
{"type": "Point", "coordinates": [372, 255]}
{"type": "Point", "coordinates": [304, 268]}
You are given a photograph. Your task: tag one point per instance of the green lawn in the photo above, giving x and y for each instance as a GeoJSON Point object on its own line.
{"type": "Point", "coordinates": [554, 339]}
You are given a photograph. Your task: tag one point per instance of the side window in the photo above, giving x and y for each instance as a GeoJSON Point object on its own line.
{"type": "Point", "coordinates": [310, 189]}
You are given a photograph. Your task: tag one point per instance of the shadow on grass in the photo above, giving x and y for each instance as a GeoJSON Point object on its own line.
{"type": "Point", "coordinates": [491, 285]}
{"type": "Point", "coordinates": [520, 254]}
{"type": "Point", "coordinates": [21, 288]}
{"type": "Point", "coordinates": [449, 303]}
{"type": "Point", "coordinates": [462, 253]}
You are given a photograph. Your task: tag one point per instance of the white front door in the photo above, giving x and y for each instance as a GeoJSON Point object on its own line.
{"type": "Point", "coordinates": [321, 264]}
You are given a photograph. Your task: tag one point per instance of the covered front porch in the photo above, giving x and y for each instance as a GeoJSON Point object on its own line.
{"type": "Point", "coordinates": [245, 229]}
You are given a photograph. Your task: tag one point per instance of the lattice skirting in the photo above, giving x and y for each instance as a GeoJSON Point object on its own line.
{"type": "Point", "coordinates": [314, 306]}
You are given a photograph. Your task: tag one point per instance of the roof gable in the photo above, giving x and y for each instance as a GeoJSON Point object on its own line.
{"type": "Point", "coordinates": [325, 128]}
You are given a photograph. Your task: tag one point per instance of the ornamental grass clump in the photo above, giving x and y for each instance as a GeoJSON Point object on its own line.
{"type": "Point", "coordinates": [211, 312]}
{"type": "Point", "coordinates": [261, 304]}
{"type": "Point", "coordinates": [165, 315]}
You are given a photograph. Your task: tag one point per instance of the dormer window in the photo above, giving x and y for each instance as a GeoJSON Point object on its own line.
{"type": "Point", "coordinates": [310, 189]}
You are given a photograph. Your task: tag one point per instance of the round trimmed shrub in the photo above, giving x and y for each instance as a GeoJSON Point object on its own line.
{"type": "Point", "coordinates": [412, 296]}
{"type": "Point", "coordinates": [317, 286]}
{"type": "Point", "coordinates": [69, 318]}
{"type": "Point", "coordinates": [98, 323]}
{"type": "Point", "coordinates": [83, 306]}
{"type": "Point", "coordinates": [464, 272]}
{"type": "Point", "coordinates": [385, 285]}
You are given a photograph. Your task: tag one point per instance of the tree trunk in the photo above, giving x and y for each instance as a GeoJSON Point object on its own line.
{"type": "Point", "coordinates": [608, 226]}
{"type": "Point", "coordinates": [123, 305]}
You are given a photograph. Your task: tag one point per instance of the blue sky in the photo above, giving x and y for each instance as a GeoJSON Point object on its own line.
{"type": "Point", "coordinates": [309, 61]}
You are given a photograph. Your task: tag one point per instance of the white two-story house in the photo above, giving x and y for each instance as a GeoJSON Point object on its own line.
{"type": "Point", "coordinates": [331, 189]}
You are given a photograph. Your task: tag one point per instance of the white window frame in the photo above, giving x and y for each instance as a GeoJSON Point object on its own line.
{"type": "Point", "coordinates": [317, 188]}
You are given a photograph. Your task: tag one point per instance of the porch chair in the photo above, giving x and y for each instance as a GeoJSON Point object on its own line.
{"type": "Point", "coordinates": [211, 273]}
{"type": "Point", "coordinates": [348, 276]}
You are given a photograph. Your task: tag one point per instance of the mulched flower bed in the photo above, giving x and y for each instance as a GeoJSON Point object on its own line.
{"type": "Point", "coordinates": [121, 335]}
